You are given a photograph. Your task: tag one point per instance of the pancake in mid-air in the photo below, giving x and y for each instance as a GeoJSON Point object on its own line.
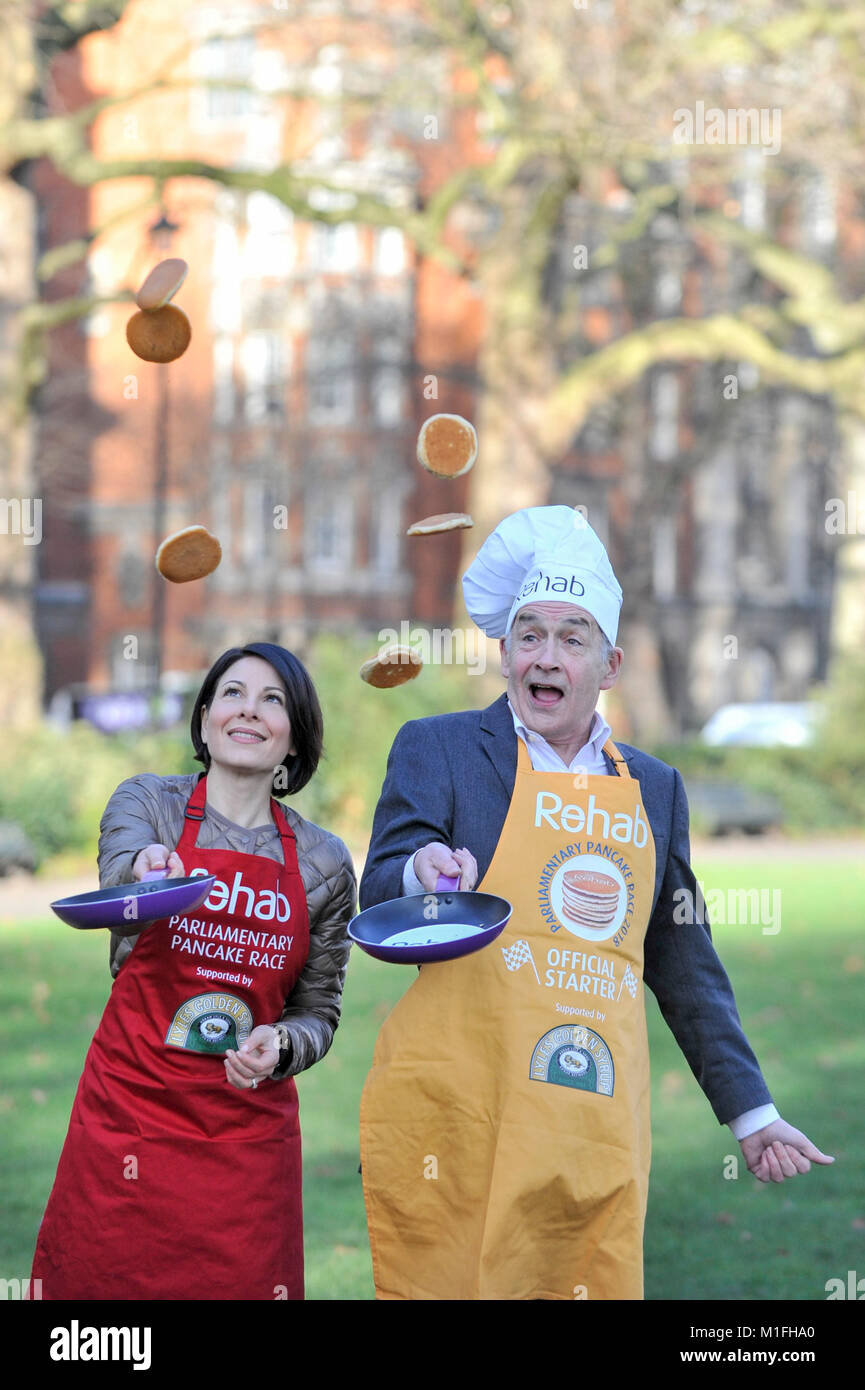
{"type": "Point", "coordinates": [442, 521]}
{"type": "Point", "coordinates": [159, 335]}
{"type": "Point", "coordinates": [188, 554]}
{"type": "Point", "coordinates": [447, 445]}
{"type": "Point", "coordinates": [162, 284]}
{"type": "Point", "coordinates": [393, 666]}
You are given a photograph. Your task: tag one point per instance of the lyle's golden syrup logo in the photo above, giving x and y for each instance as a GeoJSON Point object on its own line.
{"type": "Point", "coordinates": [576, 1057]}
{"type": "Point", "coordinates": [214, 1022]}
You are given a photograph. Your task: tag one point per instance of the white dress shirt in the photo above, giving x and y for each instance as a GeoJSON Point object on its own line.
{"type": "Point", "coordinates": [590, 760]}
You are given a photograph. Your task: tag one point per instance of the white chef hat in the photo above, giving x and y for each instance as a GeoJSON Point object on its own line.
{"type": "Point", "coordinates": [541, 554]}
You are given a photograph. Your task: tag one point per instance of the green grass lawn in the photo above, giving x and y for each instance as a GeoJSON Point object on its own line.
{"type": "Point", "coordinates": [800, 996]}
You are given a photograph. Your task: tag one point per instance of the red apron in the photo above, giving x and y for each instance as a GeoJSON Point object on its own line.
{"type": "Point", "coordinates": [172, 1183]}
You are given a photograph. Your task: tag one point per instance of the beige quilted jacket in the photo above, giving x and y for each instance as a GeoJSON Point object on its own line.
{"type": "Point", "coordinates": [148, 810]}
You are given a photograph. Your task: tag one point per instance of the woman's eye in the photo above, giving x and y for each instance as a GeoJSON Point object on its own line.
{"type": "Point", "coordinates": [231, 690]}
{"type": "Point", "coordinates": [277, 698]}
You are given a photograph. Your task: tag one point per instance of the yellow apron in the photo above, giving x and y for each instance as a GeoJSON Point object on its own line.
{"type": "Point", "coordinates": [505, 1139]}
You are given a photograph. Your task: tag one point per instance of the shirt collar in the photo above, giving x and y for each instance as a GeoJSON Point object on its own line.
{"type": "Point", "coordinates": [599, 732]}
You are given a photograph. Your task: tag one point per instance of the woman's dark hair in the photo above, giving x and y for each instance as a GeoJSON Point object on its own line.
{"type": "Point", "coordinates": [302, 708]}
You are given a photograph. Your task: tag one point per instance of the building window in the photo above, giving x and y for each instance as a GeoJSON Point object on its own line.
{"type": "Point", "coordinates": [331, 381]}
{"type": "Point", "coordinates": [225, 249]}
{"type": "Point", "coordinates": [225, 314]}
{"type": "Point", "coordinates": [329, 529]}
{"type": "Point", "coordinates": [221, 523]}
{"type": "Point", "coordinates": [256, 530]}
{"type": "Point", "coordinates": [334, 246]}
{"type": "Point", "coordinates": [752, 189]}
{"type": "Point", "coordinates": [664, 556]}
{"type": "Point", "coordinates": [818, 216]}
{"type": "Point", "coordinates": [389, 257]}
{"type": "Point", "coordinates": [223, 381]}
{"type": "Point", "coordinates": [667, 289]}
{"type": "Point", "coordinates": [134, 579]}
{"type": "Point", "coordinates": [264, 370]}
{"type": "Point", "coordinates": [664, 434]}
{"type": "Point", "coordinates": [128, 673]}
{"type": "Point", "coordinates": [386, 382]}
{"type": "Point", "coordinates": [269, 246]}
{"type": "Point", "coordinates": [225, 58]}
{"type": "Point", "coordinates": [386, 391]}
{"type": "Point", "coordinates": [386, 526]}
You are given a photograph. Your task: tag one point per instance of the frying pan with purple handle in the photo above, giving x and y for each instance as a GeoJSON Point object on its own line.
{"type": "Point", "coordinates": [129, 907]}
{"type": "Point", "coordinates": [426, 927]}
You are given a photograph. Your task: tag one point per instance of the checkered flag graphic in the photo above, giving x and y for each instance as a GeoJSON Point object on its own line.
{"type": "Point", "coordinates": [631, 981]}
{"type": "Point", "coordinates": [519, 954]}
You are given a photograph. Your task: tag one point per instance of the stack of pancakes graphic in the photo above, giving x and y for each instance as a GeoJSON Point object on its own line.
{"type": "Point", "coordinates": [590, 899]}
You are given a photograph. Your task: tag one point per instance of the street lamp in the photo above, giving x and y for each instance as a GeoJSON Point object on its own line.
{"type": "Point", "coordinates": [160, 234]}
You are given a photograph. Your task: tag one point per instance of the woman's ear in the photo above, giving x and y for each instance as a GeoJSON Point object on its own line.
{"type": "Point", "coordinates": [204, 726]}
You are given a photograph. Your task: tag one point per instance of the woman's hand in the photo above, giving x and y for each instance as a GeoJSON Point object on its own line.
{"type": "Point", "coordinates": [158, 857]}
{"type": "Point", "coordinates": [254, 1060]}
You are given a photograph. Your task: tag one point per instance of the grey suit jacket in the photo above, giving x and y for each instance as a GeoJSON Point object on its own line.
{"type": "Point", "coordinates": [451, 777]}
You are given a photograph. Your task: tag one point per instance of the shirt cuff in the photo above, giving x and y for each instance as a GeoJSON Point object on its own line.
{"type": "Point", "coordinates": [752, 1120]}
{"type": "Point", "coordinates": [410, 881]}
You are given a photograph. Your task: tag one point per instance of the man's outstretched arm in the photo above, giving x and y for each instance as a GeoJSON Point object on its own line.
{"type": "Point", "coordinates": [684, 972]}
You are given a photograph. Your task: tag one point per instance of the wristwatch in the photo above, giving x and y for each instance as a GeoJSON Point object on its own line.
{"type": "Point", "coordinates": [284, 1041]}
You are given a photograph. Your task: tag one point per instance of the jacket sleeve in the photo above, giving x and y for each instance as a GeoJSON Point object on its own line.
{"type": "Point", "coordinates": [416, 806]}
{"type": "Point", "coordinates": [312, 1010]}
{"type": "Point", "coordinates": [686, 976]}
{"type": "Point", "coordinates": [129, 824]}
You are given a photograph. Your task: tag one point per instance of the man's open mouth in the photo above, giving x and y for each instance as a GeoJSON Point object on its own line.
{"type": "Point", "coordinates": [546, 694]}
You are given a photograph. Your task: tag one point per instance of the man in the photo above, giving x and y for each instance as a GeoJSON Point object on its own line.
{"type": "Point", "coordinates": [505, 1133]}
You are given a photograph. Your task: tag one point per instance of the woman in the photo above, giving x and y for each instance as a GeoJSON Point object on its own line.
{"type": "Point", "coordinates": [180, 1177]}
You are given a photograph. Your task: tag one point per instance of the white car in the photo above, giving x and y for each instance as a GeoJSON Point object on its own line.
{"type": "Point", "coordinates": [769, 725]}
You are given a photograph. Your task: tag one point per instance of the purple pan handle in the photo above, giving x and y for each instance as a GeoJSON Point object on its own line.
{"type": "Point", "coordinates": [154, 873]}
{"type": "Point", "coordinates": [444, 884]}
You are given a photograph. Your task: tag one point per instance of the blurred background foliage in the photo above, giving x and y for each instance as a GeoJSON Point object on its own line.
{"type": "Point", "coordinates": [55, 783]}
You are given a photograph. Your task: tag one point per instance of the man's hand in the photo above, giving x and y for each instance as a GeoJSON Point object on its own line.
{"type": "Point", "coordinates": [436, 859]}
{"type": "Point", "coordinates": [779, 1151]}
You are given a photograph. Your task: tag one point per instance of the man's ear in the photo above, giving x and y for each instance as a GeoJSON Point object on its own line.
{"type": "Point", "coordinates": [614, 666]}
{"type": "Point", "coordinates": [503, 653]}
